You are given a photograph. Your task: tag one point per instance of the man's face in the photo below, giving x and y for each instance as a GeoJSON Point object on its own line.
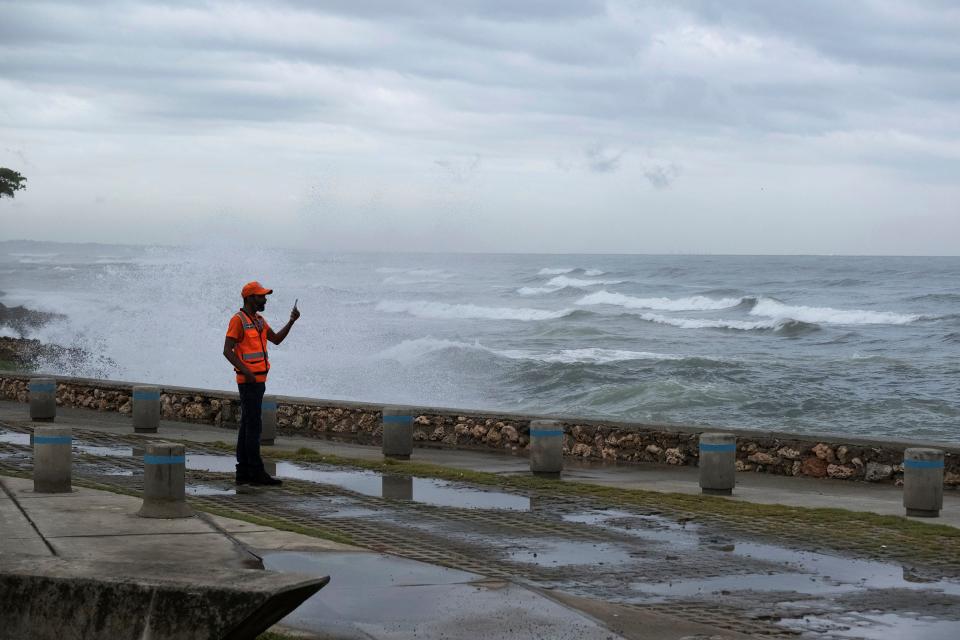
{"type": "Point", "coordinates": [259, 302]}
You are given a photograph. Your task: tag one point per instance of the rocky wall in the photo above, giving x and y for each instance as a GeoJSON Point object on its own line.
{"type": "Point", "coordinates": [781, 454]}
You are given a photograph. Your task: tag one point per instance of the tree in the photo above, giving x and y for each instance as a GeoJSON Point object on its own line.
{"type": "Point", "coordinates": [10, 182]}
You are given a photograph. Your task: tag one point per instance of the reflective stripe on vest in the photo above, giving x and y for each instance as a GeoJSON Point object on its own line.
{"type": "Point", "coordinates": [252, 349]}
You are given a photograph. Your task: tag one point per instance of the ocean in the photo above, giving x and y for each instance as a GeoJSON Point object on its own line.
{"type": "Point", "coordinates": [866, 346]}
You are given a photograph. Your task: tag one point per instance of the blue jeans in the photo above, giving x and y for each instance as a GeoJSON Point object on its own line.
{"type": "Point", "coordinates": [249, 462]}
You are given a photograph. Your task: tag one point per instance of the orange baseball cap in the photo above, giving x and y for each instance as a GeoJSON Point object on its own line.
{"type": "Point", "coordinates": [254, 289]}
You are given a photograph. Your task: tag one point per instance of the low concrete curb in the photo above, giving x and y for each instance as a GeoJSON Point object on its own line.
{"type": "Point", "coordinates": [55, 599]}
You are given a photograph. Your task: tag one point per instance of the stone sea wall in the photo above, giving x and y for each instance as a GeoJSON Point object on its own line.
{"type": "Point", "coordinates": [823, 456]}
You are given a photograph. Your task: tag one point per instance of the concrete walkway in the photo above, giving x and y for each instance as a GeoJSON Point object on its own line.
{"type": "Point", "coordinates": [94, 535]}
{"type": "Point", "coordinates": [371, 595]}
{"type": "Point", "coordinates": [761, 488]}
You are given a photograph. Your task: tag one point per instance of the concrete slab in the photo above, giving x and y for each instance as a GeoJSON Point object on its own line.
{"type": "Point", "coordinates": [273, 540]}
{"type": "Point", "coordinates": [96, 525]}
{"type": "Point", "coordinates": [86, 512]}
{"type": "Point", "coordinates": [183, 549]}
{"type": "Point", "coordinates": [260, 538]}
{"type": "Point", "coordinates": [13, 523]}
{"type": "Point", "coordinates": [22, 547]}
{"type": "Point", "coordinates": [55, 599]}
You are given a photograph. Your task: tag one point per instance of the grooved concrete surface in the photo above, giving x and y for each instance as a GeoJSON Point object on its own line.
{"type": "Point", "coordinates": [642, 570]}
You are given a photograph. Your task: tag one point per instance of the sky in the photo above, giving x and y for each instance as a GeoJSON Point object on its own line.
{"type": "Point", "coordinates": [699, 126]}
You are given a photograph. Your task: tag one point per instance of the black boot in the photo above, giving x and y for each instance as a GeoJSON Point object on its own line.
{"type": "Point", "coordinates": [261, 477]}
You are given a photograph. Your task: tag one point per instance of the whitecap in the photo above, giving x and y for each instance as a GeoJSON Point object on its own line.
{"type": "Point", "coordinates": [707, 323]}
{"type": "Point", "coordinates": [535, 291]}
{"type": "Point", "coordinates": [410, 350]}
{"type": "Point", "coordinates": [413, 276]}
{"type": "Point", "coordinates": [562, 282]}
{"type": "Point", "coordinates": [590, 355]}
{"type": "Point", "coordinates": [442, 310]}
{"type": "Point", "coordinates": [594, 272]}
{"type": "Point", "coordinates": [827, 315]}
{"type": "Point", "coordinates": [691, 303]}
{"type": "Point", "coordinates": [547, 271]}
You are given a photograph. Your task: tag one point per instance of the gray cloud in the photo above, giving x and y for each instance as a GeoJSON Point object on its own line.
{"type": "Point", "coordinates": [661, 176]}
{"type": "Point", "coordinates": [386, 88]}
{"type": "Point", "coordinates": [603, 159]}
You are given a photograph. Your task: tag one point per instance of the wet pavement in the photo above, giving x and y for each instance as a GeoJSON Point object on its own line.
{"type": "Point", "coordinates": [465, 549]}
{"type": "Point", "coordinates": [381, 596]}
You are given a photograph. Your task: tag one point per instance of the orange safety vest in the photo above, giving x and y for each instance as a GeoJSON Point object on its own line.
{"type": "Point", "coordinates": [252, 347]}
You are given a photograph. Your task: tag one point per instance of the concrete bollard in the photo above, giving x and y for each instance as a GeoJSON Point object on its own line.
{"type": "Point", "coordinates": [396, 487]}
{"type": "Point", "coordinates": [43, 399]}
{"type": "Point", "coordinates": [52, 459]}
{"type": "Point", "coordinates": [397, 433]}
{"type": "Point", "coordinates": [718, 463]}
{"type": "Point", "coordinates": [268, 412]}
{"type": "Point", "coordinates": [923, 482]}
{"type": "Point", "coordinates": [146, 409]}
{"type": "Point", "coordinates": [164, 488]}
{"type": "Point", "coordinates": [546, 447]}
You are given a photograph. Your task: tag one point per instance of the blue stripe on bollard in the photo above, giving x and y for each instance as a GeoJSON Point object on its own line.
{"type": "Point", "coordinates": [398, 419]}
{"type": "Point", "coordinates": [164, 459]}
{"type": "Point", "coordinates": [43, 387]}
{"type": "Point", "coordinates": [52, 439]}
{"type": "Point", "coordinates": [146, 395]}
{"type": "Point", "coordinates": [269, 406]}
{"type": "Point", "coordinates": [718, 448]}
{"type": "Point", "coordinates": [923, 464]}
{"type": "Point", "coordinates": [557, 432]}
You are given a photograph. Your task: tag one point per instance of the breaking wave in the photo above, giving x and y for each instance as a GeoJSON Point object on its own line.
{"type": "Point", "coordinates": [692, 303]}
{"type": "Point", "coordinates": [410, 350]}
{"type": "Point", "coordinates": [827, 315]}
{"type": "Point", "coordinates": [563, 282]}
{"type": "Point", "coordinates": [444, 311]}
{"type": "Point", "coordinates": [765, 307]}
{"type": "Point", "coordinates": [548, 271]}
{"type": "Point", "coordinates": [787, 326]}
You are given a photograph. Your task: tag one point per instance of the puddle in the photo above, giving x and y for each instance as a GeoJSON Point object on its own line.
{"type": "Point", "coordinates": [208, 490]}
{"type": "Point", "coordinates": [568, 553]}
{"type": "Point", "coordinates": [340, 507]}
{"type": "Point", "coordinates": [379, 596]}
{"type": "Point", "coordinates": [864, 573]}
{"type": "Point", "coordinates": [647, 527]}
{"type": "Point", "coordinates": [424, 490]}
{"type": "Point", "coordinates": [797, 571]}
{"type": "Point", "coordinates": [114, 452]}
{"type": "Point", "coordinates": [12, 437]}
{"type": "Point", "coordinates": [875, 625]}
{"type": "Point", "coordinates": [725, 585]}
{"type": "Point", "coordinates": [216, 464]}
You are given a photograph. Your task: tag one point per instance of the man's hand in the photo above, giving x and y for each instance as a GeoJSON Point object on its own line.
{"type": "Point", "coordinates": [294, 313]}
{"type": "Point", "coordinates": [249, 376]}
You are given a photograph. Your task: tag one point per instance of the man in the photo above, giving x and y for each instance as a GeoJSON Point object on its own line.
{"type": "Point", "coordinates": [246, 348]}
